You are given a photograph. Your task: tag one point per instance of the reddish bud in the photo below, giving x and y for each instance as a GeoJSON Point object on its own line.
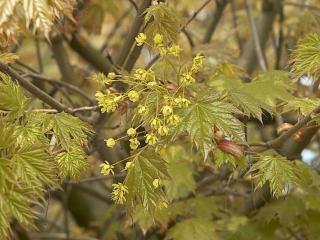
{"type": "Point", "coordinates": [171, 87]}
{"type": "Point", "coordinates": [298, 136]}
{"type": "Point", "coordinates": [123, 108]}
{"type": "Point", "coordinates": [283, 128]}
{"type": "Point", "coordinates": [231, 148]}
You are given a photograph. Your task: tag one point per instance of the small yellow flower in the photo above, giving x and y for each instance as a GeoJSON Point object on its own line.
{"type": "Point", "coordinates": [142, 109]}
{"type": "Point", "coordinates": [158, 39]}
{"type": "Point", "coordinates": [156, 183]}
{"type": "Point", "coordinates": [167, 110]}
{"type": "Point", "coordinates": [140, 74]}
{"type": "Point", "coordinates": [134, 143]}
{"type": "Point", "coordinates": [110, 142]}
{"type": "Point", "coordinates": [133, 96]}
{"type": "Point", "coordinates": [181, 102]}
{"type": "Point", "coordinates": [156, 123]}
{"type": "Point", "coordinates": [129, 165]}
{"type": "Point", "coordinates": [174, 50]}
{"type": "Point", "coordinates": [118, 193]}
{"type": "Point", "coordinates": [99, 78]}
{"type": "Point", "coordinates": [111, 75]}
{"type": "Point", "coordinates": [197, 63]}
{"type": "Point", "coordinates": [151, 75]}
{"type": "Point", "coordinates": [164, 204]}
{"type": "Point", "coordinates": [173, 119]}
{"type": "Point", "coordinates": [151, 139]}
{"type": "Point", "coordinates": [140, 39]}
{"type": "Point", "coordinates": [151, 84]}
{"type": "Point", "coordinates": [106, 168]}
{"type": "Point", "coordinates": [186, 79]}
{"type": "Point", "coordinates": [131, 132]}
{"type": "Point", "coordinates": [162, 51]}
{"type": "Point", "coordinates": [163, 130]}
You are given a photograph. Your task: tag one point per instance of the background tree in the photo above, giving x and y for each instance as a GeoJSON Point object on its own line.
{"type": "Point", "coordinates": [159, 119]}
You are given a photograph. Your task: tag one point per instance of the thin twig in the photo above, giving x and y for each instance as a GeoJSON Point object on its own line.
{"type": "Point", "coordinates": [216, 16]}
{"type": "Point", "coordinates": [60, 83]}
{"type": "Point", "coordinates": [96, 179]}
{"type": "Point", "coordinates": [37, 92]}
{"type": "Point", "coordinates": [303, 5]}
{"type": "Point", "coordinates": [39, 57]}
{"type": "Point", "coordinates": [192, 17]}
{"type": "Point", "coordinates": [133, 3]}
{"type": "Point", "coordinates": [256, 39]}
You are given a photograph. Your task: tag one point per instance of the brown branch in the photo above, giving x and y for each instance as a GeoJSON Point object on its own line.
{"type": "Point", "coordinates": [255, 36]}
{"type": "Point", "coordinates": [216, 16]}
{"type": "Point", "coordinates": [191, 18]}
{"type": "Point", "coordinates": [90, 54]}
{"type": "Point", "coordinates": [275, 143]}
{"type": "Point", "coordinates": [248, 59]}
{"type": "Point", "coordinates": [62, 60]}
{"type": "Point", "coordinates": [135, 28]}
{"type": "Point", "coordinates": [303, 5]}
{"type": "Point", "coordinates": [194, 15]}
{"type": "Point", "coordinates": [33, 89]}
{"type": "Point", "coordinates": [133, 3]}
{"type": "Point", "coordinates": [60, 83]}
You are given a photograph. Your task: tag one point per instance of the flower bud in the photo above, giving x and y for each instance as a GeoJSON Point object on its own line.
{"type": "Point", "coordinates": [167, 110]}
{"type": "Point", "coordinates": [110, 142]}
{"type": "Point", "coordinates": [231, 148]}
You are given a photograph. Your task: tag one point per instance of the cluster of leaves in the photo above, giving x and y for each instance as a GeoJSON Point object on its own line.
{"type": "Point", "coordinates": [36, 150]}
{"type": "Point", "coordinates": [170, 104]}
{"type": "Point", "coordinates": [40, 15]}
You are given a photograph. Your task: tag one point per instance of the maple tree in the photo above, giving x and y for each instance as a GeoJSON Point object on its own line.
{"type": "Point", "coordinates": [167, 120]}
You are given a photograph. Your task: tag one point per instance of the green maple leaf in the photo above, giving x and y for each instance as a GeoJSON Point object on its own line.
{"type": "Point", "coordinates": [202, 115]}
{"type": "Point", "coordinates": [12, 97]}
{"type": "Point", "coordinates": [190, 229]}
{"type": "Point", "coordinates": [147, 167]}
{"type": "Point", "coordinates": [68, 129]}
{"type": "Point", "coordinates": [279, 172]}
{"type": "Point", "coordinates": [33, 165]}
{"type": "Point", "coordinates": [180, 170]}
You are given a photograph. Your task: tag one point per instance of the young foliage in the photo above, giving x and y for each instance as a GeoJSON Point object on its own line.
{"type": "Point", "coordinates": [221, 158]}
{"type": "Point", "coordinates": [306, 57]}
{"type": "Point", "coordinates": [280, 173]}
{"type": "Point", "coordinates": [202, 115]}
{"type": "Point", "coordinates": [260, 94]}
{"type": "Point", "coordinates": [12, 97]}
{"type": "Point", "coordinates": [28, 147]}
{"type": "Point", "coordinates": [180, 169]}
{"type": "Point", "coordinates": [147, 167]}
{"type": "Point", "coordinates": [190, 229]}
{"type": "Point", "coordinates": [39, 15]}
{"type": "Point", "coordinates": [160, 18]}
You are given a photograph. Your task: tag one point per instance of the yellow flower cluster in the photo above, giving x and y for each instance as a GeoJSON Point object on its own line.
{"type": "Point", "coordinates": [108, 102]}
{"type": "Point", "coordinates": [142, 75]}
{"type": "Point", "coordinates": [118, 193]}
{"type": "Point", "coordinates": [141, 39]}
{"type": "Point", "coordinates": [187, 79]}
{"type": "Point", "coordinates": [102, 79]}
{"type": "Point", "coordinates": [106, 168]}
{"type": "Point", "coordinates": [110, 142]}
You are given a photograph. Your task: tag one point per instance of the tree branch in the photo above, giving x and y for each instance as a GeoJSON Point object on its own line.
{"type": "Point", "coordinates": [33, 89]}
{"type": "Point", "coordinates": [248, 59]}
{"type": "Point", "coordinates": [90, 54]}
{"type": "Point", "coordinates": [191, 18]}
{"type": "Point", "coordinates": [130, 39]}
{"type": "Point", "coordinates": [216, 16]}
{"type": "Point", "coordinates": [62, 60]}
{"type": "Point", "coordinates": [255, 37]}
